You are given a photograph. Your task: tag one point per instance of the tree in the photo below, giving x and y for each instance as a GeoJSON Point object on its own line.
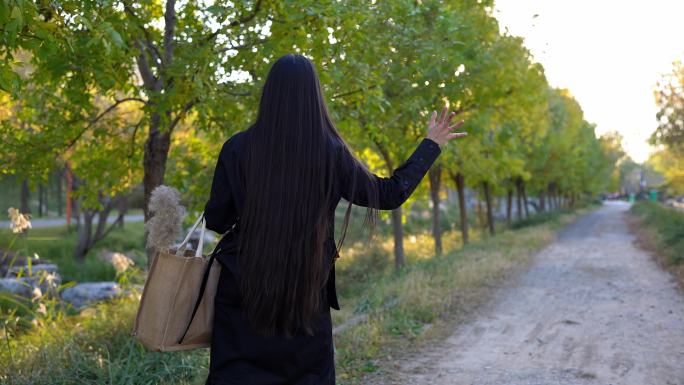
{"type": "Point", "coordinates": [669, 95]}
{"type": "Point", "coordinates": [669, 136]}
{"type": "Point", "coordinates": [171, 62]}
{"type": "Point", "coordinates": [671, 165]}
{"type": "Point", "coordinates": [611, 144]}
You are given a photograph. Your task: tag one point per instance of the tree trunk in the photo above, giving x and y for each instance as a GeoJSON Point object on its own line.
{"type": "Point", "coordinates": [84, 236]}
{"type": "Point", "coordinates": [524, 195]}
{"type": "Point", "coordinates": [542, 200]}
{"type": "Point", "coordinates": [509, 205]}
{"type": "Point", "coordinates": [398, 232]}
{"type": "Point", "coordinates": [25, 194]}
{"type": "Point", "coordinates": [397, 225]}
{"type": "Point", "coordinates": [87, 238]}
{"type": "Point", "coordinates": [158, 140]}
{"type": "Point", "coordinates": [122, 208]}
{"type": "Point", "coordinates": [154, 167]}
{"type": "Point", "coordinates": [519, 200]}
{"type": "Point", "coordinates": [58, 190]}
{"type": "Point", "coordinates": [434, 175]}
{"type": "Point", "coordinates": [488, 201]}
{"type": "Point", "coordinates": [459, 180]}
{"type": "Point", "coordinates": [41, 200]}
{"type": "Point", "coordinates": [75, 206]}
{"type": "Point", "coordinates": [69, 198]}
{"type": "Point", "coordinates": [154, 161]}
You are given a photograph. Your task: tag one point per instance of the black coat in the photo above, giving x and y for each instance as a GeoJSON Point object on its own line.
{"type": "Point", "coordinates": [238, 356]}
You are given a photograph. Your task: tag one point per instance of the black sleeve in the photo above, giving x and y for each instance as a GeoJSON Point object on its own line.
{"type": "Point", "coordinates": [220, 212]}
{"type": "Point", "coordinates": [355, 184]}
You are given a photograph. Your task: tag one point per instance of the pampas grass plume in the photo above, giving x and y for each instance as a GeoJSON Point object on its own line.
{"type": "Point", "coordinates": [165, 225]}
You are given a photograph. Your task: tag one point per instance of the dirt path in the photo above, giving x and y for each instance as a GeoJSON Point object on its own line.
{"type": "Point", "coordinates": [592, 309]}
{"type": "Point", "coordinates": [54, 222]}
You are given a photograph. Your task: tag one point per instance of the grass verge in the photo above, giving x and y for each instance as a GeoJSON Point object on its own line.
{"type": "Point", "coordinates": [94, 347]}
{"type": "Point", "coordinates": [660, 230]}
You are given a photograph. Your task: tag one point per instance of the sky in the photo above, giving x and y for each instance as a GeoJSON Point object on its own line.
{"type": "Point", "coordinates": [608, 53]}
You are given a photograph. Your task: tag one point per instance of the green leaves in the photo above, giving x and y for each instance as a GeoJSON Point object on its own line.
{"type": "Point", "coordinates": [9, 80]}
{"type": "Point", "coordinates": [113, 35]}
{"type": "Point", "coordinates": [383, 67]}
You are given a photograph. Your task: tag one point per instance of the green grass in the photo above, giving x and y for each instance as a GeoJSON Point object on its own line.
{"type": "Point", "coordinates": [666, 227]}
{"type": "Point", "coordinates": [95, 347]}
{"type": "Point", "coordinates": [57, 244]}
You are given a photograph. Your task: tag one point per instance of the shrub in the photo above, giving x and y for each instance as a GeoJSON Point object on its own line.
{"type": "Point", "coordinates": [668, 224]}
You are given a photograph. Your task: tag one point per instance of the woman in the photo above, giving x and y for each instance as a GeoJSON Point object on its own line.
{"type": "Point", "coordinates": [276, 187]}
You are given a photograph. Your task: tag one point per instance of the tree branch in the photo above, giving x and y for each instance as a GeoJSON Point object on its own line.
{"type": "Point", "coordinates": [23, 34]}
{"type": "Point", "coordinates": [231, 93]}
{"type": "Point", "coordinates": [169, 28]}
{"type": "Point", "coordinates": [149, 80]}
{"type": "Point", "coordinates": [135, 132]}
{"type": "Point", "coordinates": [385, 155]}
{"type": "Point", "coordinates": [99, 116]}
{"type": "Point", "coordinates": [149, 42]}
{"type": "Point", "coordinates": [341, 95]}
{"type": "Point", "coordinates": [241, 46]}
{"type": "Point", "coordinates": [239, 21]}
{"type": "Point", "coordinates": [180, 115]}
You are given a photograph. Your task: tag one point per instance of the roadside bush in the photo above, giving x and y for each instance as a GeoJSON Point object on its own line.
{"type": "Point", "coordinates": [668, 226]}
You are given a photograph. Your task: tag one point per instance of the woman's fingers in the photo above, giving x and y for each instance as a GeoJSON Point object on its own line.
{"type": "Point", "coordinates": [457, 125]}
{"type": "Point", "coordinates": [452, 135]}
{"type": "Point", "coordinates": [440, 126]}
{"type": "Point", "coordinates": [451, 116]}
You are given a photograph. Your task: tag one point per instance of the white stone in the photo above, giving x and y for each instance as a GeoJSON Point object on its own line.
{"type": "Point", "coordinates": [86, 293]}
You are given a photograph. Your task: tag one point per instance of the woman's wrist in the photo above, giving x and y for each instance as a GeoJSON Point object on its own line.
{"type": "Point", "coordinates": [433, 140]}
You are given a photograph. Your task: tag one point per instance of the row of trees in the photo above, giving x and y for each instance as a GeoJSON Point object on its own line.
{"type": "Point", "coordinates": [128, 91]}
{"type": "Point", "coordinates": [669, 135]}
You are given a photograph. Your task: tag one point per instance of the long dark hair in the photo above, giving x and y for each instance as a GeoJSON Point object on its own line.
{"type": "Point", "coordinates": [290, 175]}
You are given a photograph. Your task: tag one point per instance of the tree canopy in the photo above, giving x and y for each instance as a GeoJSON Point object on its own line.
{"type": "Point", "coordinates": [145, 92]}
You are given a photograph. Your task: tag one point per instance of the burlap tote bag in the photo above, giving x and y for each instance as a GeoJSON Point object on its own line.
{"type": "Point", "coordinates": [177, 305]}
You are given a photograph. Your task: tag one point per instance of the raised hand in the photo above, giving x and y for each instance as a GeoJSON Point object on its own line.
{"type": "Point", "coordinates": [439, 129]}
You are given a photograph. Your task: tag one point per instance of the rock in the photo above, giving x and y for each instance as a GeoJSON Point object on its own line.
{"type": "Point", "coordinates": [9, 259]}
{"type": "Point", "coordinates": [45, 279]}
{"type": "Point", "coordinates": [86, 293]}
{"type": "Point", "coordinates": [36, 270]}
{"type": "Point", "coordinates": [17, 286]}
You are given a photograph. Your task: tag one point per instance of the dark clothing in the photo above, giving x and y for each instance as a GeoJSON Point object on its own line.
{"type": "Point", "coordinates": [239, 356]}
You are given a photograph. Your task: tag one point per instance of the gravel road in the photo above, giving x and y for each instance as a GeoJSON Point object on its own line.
{"type": "Point", "coordinates": [592, 309]}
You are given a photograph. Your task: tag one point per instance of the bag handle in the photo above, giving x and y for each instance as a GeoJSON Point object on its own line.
{"type": "Point", "coordinates": [203, 286]}
{"type": "Point", "coordinates": [205, 278]}
{"type": "Point", "coordinates": [200, 244]}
